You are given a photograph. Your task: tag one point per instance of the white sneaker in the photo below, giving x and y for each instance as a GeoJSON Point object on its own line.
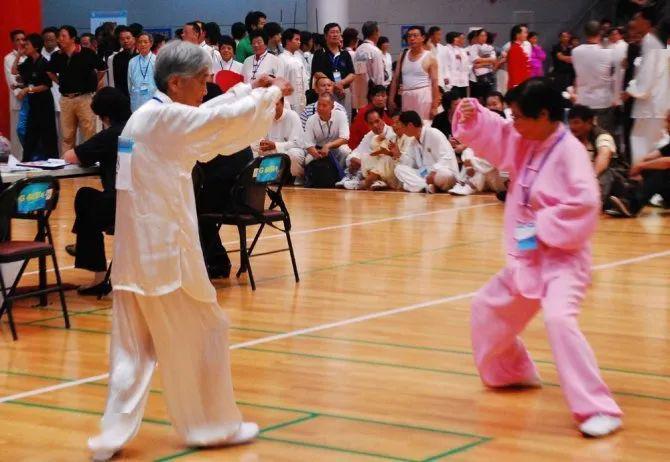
{"type": "Point", "coordinates": [246, 433]}
{"type": "Point", "coordinates": [348, 177]}
{"type": "Point", "coordinates": [431, 189]}
{"type": "Point", "coordinates": [656, 201]}
{"type": "Point", "coordinates": [461, 189]}
{"type": "Point", "coordinates": [379, 185]}
{"type": "Point", "coordinates": [600, 425]}
{"type": "Point", "coordinates": [352, 184]}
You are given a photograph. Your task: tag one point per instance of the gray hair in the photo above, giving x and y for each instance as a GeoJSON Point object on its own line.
{"type": "Point", "coordinates": [328, 96]}
{"type": "Point", "coordinates": [179, 58]}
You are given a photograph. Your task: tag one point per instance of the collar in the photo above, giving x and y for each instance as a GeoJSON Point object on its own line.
{"type": "Point", "coordinates": [163, 97]}
{"type": "Point", "coordinates": [261, 57]}
{"type": "Point", "coordinates": [422, 136]}
{"type": "Point", "coordinates": [203, 44]}
{"type": "Point", "coordinates": [282, 116]}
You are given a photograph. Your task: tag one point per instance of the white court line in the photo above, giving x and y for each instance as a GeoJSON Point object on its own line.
{"type": "Point", "coordinates": [330, 325]}
{"type": "Point", "coordinates": [342, 226]}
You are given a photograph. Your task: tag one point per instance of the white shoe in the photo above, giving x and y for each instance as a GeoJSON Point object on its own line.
{"type": "Point", "coordinates": [299, 181]}
{"type": "Point", "coordinates": [379, 185]}
{"type": "Point", "coordinates": [656, 201]}
{"type": "Point", "coordinates": [99, 454]}
{"type": "Point", "coordinates": [431, 189]}
{"type": "Point", "coordinates": [352, 184]}
{"type": "Point", "coordinates": [600, 425]}
{"type": "Point", "coordinates": [461, 189]}
{"type": "Point", "coordinates": [245, 434]}
{"type": "Point", "coordinates": [348, 177]}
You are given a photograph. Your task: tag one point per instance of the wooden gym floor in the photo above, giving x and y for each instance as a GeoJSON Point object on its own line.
{"type": "Point", "coordinates": [368, 357]}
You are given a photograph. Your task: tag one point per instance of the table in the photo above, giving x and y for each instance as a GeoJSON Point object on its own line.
{"type": "Point", "coordinates": [69, 171]}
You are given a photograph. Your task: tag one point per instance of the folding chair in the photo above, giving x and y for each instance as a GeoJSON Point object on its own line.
{"type": "Point", "coordinates": [30, 198]}
{"type": "Point", "coordinates": [262, 177]}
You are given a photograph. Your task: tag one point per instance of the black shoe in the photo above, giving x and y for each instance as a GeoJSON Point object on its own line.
{"type": "Point", "coordinates": [102, 288]}
{"type": "Point", "coordinates": [501, 196]}
{"type": "Point", "coordinates": [622, 206]}
{"type": "Point", "coordinates": [219, 272]}
{"type": "Point", "coordinates": [71, 250]}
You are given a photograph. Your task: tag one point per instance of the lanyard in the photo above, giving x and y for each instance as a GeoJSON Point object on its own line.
{"type": "Point", "coordinates": [158, 99]}
{"type": "Point", "coordinates": [334, 61]}
{"type": "Point", "coordinates": [230, 67]}
{"type": "Point", "coordinates": [146, 69]}
{"type": "Point", "coordinates": [329, 124]}
{"type": "Point", "coordinates": [526, 187]}
{"type": "Point", "coordinates": [257, 65]}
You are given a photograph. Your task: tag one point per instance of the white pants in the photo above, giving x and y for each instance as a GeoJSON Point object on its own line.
{"type": "Point", "coordinates": [483, 181]}
{"type": "Point", "coordinates": [17, 149]}
{"type": "Point", "coordinates": [645, 136]}
{"type": "Point", "coordinates": [189, 339]}
{"type": "Point", "coordinates": [384, 166]}
{"type": "Point", "coordinates": [297, 156]}
{"type": "Point", "coordinates": [412, 181]}
{"type": "Point", "coordinates": [419, 100]}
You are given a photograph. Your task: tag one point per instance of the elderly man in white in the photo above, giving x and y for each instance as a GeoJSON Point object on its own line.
{"type": "Point", "coordinates": [164, 306]}
{"type": "Point", "coordinates": [327, 131]}
{"type": "Point", "coordinates": [286, 137]}
{"type": "Point", "coordinates": [430, 163]}
{"type": "Point", "coordinates": [294, 71]}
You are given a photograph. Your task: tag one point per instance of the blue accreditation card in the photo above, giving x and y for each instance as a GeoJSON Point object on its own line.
{"type": "Point", "coordinates": [525, 235]}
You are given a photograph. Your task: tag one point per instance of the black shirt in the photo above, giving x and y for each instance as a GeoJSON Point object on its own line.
{"type": "Point", "coordinates": [442, 123]}
{"type": "Point", "coordinates": [35, 73]}
{"type": "Point", "coordinates": [665, 150]}
{"type": "Point", "coordinates": [103, 148]}
{"type": "Point", "coordinates": [76, 73]}
{"type": "Point", "coordinates": [561, 67]}
{"type": "Point", "coordinates": [324, 61]}
{"type": "Point", "coordinates": [120, 65]}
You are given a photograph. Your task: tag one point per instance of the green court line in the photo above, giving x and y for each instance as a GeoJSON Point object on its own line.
{"type": "Point", "coordinates": [333, 448]}
{"type": "Point", "coordinates": [457, 450]}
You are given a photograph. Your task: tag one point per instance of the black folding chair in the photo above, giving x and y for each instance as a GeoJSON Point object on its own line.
{"type": "Point", "coordinates": [262, 177]}
{"type": "Point", "coordinates": [30, 198]}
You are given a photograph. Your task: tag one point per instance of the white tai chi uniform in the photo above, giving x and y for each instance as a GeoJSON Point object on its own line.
{"type": "Point", "coordinates": [431, 153]}
{"type": "Point", "coordinates": [294, 72]}
{"type": "Point", "coordinates": [382, 165]}
{"type": "Point", "coordinates": [266, 63]}
{"type": "Point", "coordinates": [14, 103]}
{"type": "Point", "coordinates": [486, 177]}
{"type": "Point", "coordinates": [651, 90]}
{"type": "Point", "coordinates": [287, 134]}
{"type": "Point", "coordinates": [165, 307]}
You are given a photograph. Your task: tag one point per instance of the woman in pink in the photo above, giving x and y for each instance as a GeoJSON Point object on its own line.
{"type": "Point", "coordinates": [551, 212]}
{"type": "Point", "coordinates": [537, 57]}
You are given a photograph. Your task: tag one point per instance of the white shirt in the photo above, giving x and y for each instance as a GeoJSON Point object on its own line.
{"type": "Point", "coordinates": [318, 132]}
{"type": "Point", "coordinates": [232, 66]}
{"type": "Point", "coordinates": [294, 72]}
{"type": "Point", "coordinates": [267, 64]}
{"type": "Point", "coordinates": [365, 146]}
{"type": "Point", "coordinates": [438, 52]}
{"type": "Point", "coordinates": [369, 61]}
{"type": "Point", "coordinates": [14, 103]}
{"type": "Point", "coordinates": [306, 60]}
{"type": "Point", "coordinates": [286, 132]}
{"type": "Point", "coordinates": [55, 91]}
{"type": "Point", "coordinates": [457, 66]}
{"type": "Point", "coordinates": [432, 151]}
{"type": "Point", "coordinates": [479, 51]}
{"type": "Point", "coordinates": [388, 68]}
{"type": "Point", "coordinates": [594, 83]}
{"type": "Point", "coordinates": [619, 53]}
{"type": "Point", "coordinates": [651, 85]}
{"type": "Point", "coordinates": [157, 249]}
{"type": "Point", "coordinates": [217, 60]}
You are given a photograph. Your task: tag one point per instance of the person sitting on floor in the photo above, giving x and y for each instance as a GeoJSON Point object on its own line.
{"type": "Point", "coordinates": [327, 132]}
{"type": "Point", "coordinates": [359, 126]}
{"type": "Point", "coordinates": [374, 156]}
{"type": "Point", "coordinates": [654, 171]}
{"type": "Point", "coordinates": [94, 209]}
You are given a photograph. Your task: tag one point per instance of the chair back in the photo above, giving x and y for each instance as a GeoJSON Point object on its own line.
{"type": "Point", "coordinates": [263, 176]}
{"type": "Point", "coordinates": [36, 197]}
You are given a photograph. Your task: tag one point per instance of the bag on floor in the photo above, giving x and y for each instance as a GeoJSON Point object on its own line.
{"type": "Point", "coordinates": [323, 173]}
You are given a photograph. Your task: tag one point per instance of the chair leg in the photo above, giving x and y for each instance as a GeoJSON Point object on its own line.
{"type": "Point", "coordinates": [258, 234]}
{"type": "Point", "coordinates": [290, 249]}
{"type": "Point", "coordinates": [246, 265]}
{"type": "Point", "coordinates": [8, 307]}
{"type": "Point", "coordinates": [59, 283]}
{"type": "Point", "coordinates": [7, 304]}
{"type": "Point", "coordinates": [107, 279]}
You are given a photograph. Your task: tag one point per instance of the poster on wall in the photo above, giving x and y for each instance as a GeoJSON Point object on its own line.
{"type": "Point", "coordinates": [403, 35]}
{"type": "Point", "coordinates": [119, 17]}
{"type": "Point", "coordinates": [165, 32]}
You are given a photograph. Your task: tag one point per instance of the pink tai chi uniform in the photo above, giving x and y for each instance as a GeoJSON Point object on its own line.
{"type": "Point", "coordinates": [555, 179]}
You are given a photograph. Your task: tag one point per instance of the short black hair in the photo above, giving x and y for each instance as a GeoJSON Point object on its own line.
{"type": "Point", "coordinates": [288, 35]}
{"type": "Point", "coordinates": [179, 33]}
{"type": "Point", "coordinates": [648, 13]}
{"type": "Point", "coordinates": [579, 111]}
{"type": "Point", "coordinates": [535, 95]}
{"type": "Point", "coordinates": [382, 40]}
{"type": "Point", "coordinates": [618, 29]}
{"type": "Point", "coordinates": [451, 36]}
{"type": "Point", "coordinates": [238, 30]}
{"type": "Point", "coordinates": [411, 117]}
{"type": "Point", "coordinates": [87, 34]}
{"type": "Point", "coordinates": [371, 110]}
{"type": "Point", "coordinates": [349, 35]}
{"type": "Point", "coordinates": [421, 29]}
{"type": "Point", "coordinates": [516, 30]}
{"type": "Point", "coordinates": [272, 28]}
{"type": "Point", "coordinates": [472, 34]}
{"type": "Point", "coordinates": [258, 33]}
{"type": "Point", "coordinates": [111, 102]}
{"type": "Point", "coordinates": [433, 29]}
{"type": "Point", "coordinates": [305, 37]}
{"type": "Point", "coordinates": [252, 18]}
{"type": "Point", "coordinates": [605, 20]}
{"type": "Point", "coordinates": [15, 32]}
{"type": "Point", "coordinates": [495, 94]}
{"type": "Point", "coordinates": [228, 40]}
{"type": "Point", "coordinates": [119, 30]}
{"type": "Point", "coordinates": [329, 26]}
{"type": "Point", "coordinates": [592, 29]}
{"type": "Point", "coordinates": [369, 29]}
{"type": "Point", "coordinates": [213, 32]}
{"type": "Point", "coordinates": [195, 25]}
{"type": "Point", "coordinates": [532, 34]}
{"type": "Point", "coordinates": [319, 39]}
{"type": "Point", "coordinates": [72, 32]}
{"type": "Point", "coordinates": [36, 41]}
{"type": "Point", "coordinates": [136, 29]}
{"type": "Point", "coordinates": [51, 29]}
{"type": "Point", "coordinates": [377, 89]}
{"type": "Point", "coordinates": [449, 97]}
{"type": "Point", "coordinates": [149, 35]}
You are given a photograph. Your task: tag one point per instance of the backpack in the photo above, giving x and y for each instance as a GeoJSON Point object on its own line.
{"type": "Point", "coordinates": [323, 173]}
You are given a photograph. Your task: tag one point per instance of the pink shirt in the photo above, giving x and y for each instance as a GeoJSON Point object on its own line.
{"type": "Point", "coordinates": [564, 199]}
{"type": "Point", "coordinates": [537, 58]}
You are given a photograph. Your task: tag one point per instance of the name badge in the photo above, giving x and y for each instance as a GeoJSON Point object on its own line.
{"type": "Point", "coordinates": [423, 172]}
{"type": "Point", "coordinates": [124, 178]}
{"type": "Point", "coordinates": [337, 76]}
{"type": "Point", "coordinates": [144, 89]}
{"type": "Point", "coordinates": [525, 235]}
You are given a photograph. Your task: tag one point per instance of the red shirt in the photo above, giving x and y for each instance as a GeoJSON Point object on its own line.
{"type": "Point", "coordinates": [518, 66]}
{"type": "Point", "coordinates": [227, 79]}
{"type": "Point", "coordinates": [359, 127]}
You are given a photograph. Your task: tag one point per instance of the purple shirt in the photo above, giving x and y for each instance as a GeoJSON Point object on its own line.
{"type": "Point", "coordinates": [537, 58]}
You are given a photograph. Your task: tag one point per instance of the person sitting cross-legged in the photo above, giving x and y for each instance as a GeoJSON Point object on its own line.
{"type": "Point", "coordinates": [327, 132]}
{"type": "Point", "coordinates": [376, 155]}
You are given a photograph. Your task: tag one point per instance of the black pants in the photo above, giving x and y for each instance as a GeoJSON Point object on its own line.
{"type": "Point", "coordinates": [95, 212]}
{"type": "Point", "coordinates": [217, 178]}
{"type": "Point", "coordinates": [628, 122]}
{"type": "Point", "coordinates": [41, 136]}
{"type": "Point", "coordinates": [653, 182]}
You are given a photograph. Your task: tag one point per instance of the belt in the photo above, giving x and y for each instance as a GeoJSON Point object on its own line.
{"type": "Point", "coordinates": [73, 95]}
